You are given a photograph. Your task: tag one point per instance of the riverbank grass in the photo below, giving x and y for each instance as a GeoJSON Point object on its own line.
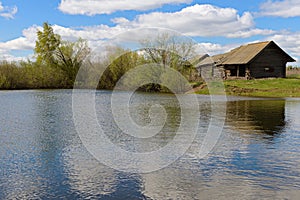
{"type": "Point", "coordinates": [271, 87]}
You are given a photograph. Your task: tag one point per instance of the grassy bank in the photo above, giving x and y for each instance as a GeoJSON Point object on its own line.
{"type": "Point", "coordinates": [282, 87]}
{"type": "Point", "coordinates": [273, 87]}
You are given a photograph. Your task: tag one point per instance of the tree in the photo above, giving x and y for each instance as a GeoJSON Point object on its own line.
{"type": "Point", "coordinates": [70, 56]}
{"type": "Point", "coordinates": [120, 61]}
{"type": "Point", "coordinates": [46, 44]}
{"type": "Point", "coordinates": [170, 51]}
{"type": "Point", "coordinates": [67, 56]}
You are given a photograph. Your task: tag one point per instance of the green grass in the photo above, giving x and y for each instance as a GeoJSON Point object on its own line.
{"type": "Point", "coordinates": [293, 76]}
{"type": "Point", "coordinates": [275, 87]}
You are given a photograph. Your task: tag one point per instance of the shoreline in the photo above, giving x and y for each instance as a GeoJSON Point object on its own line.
{"type": "Point", "coordinates": [234, 95]}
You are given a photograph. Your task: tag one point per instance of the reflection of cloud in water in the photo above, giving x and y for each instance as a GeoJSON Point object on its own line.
{"type": "Point", "coordinates": [25, 186]}
{"type": "Point", "coordinates": [293, 117]}
{"type": "Point", "coordinates": [207, 182]}
{"type": "Point", "coordinates": [86, 175]}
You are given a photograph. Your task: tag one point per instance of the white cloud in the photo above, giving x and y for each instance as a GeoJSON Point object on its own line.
{"type": "Point", "coordinates": [285, 8]}
{"type": "Point", "coordinates": [11, 58]}
{"type": "Point", "coordinates": [8, 12]}
{"type": "Point", "coordinates": [93, 7]}
{"type": "Point", "coordinates": [24, 43]}
{"type": "Point", "coordinates": [89, 33]}
{"type": "Point", "coordinates": [120, 20]}
{"type": "Point", "coordinates": [198, 20]}
{"type": "Point", "coordinates": [20, 43]}
{"type": "Point", "coordinates": [250, 32]}
{"type": "Point", "coordinates": [213, 49]}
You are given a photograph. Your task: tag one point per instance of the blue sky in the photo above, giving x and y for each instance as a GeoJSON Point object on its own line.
{"type": "Point", "coordinates": [217, 24]}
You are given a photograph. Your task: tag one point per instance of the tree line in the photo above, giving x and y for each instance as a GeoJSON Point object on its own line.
{"type": "Point", "coordinates": [58, 61]}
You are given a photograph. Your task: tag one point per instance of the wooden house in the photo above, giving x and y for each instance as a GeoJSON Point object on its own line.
{"type": "Point", "coordinates": [256, 60]}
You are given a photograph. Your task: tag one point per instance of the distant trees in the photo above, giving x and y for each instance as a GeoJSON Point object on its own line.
{"type": "Point", "coordinates": [164, 50]}
{"type": "Point", "coordinates": [58, 62]}
{"type": "Point", "coordinates": [29, 75]}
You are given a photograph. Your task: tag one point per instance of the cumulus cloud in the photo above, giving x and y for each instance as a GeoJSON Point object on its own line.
{"type": "Point", "coordinates": [97, 32]}
{"type": "Point", "coordinates": [213, 49]}
{"type": "Point", "coordinates": [11, 58]}
{"type": "Point", "coordinates": [93, 7]}
{"type": "Point", "coordinates": [285, 8]}
{"type": "Point", "coordinates": [8, 12]}
{"type": "Point", "coordinates": [20, 43]}
{"type": "Point", "coordinates": [199, 20]}
{"type": "Point", "coordinates": [196, 20]}
{"type": "Point", "coordinates": [251, 32]}
{"type": "Point", "coordinates": [24, 43]}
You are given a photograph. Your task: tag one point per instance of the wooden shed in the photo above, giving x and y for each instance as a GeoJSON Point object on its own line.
{"type": "Point", "coordinates": [255, 60]}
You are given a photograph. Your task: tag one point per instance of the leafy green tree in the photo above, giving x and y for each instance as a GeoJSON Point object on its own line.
{"type": "Point", "coordinates": [66, 56]}
{"type": "Point", "coordinates": [120, 61]}
{"type": "Point", "coordinates": [46, 44]}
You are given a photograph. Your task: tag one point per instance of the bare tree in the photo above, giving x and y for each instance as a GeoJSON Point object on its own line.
{"type": "Point", "coordinates": [171, 50]}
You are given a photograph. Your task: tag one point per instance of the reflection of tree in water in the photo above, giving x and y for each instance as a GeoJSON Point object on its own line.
{"type": "Point", "coordinates": [257, 116]}
{"type": "Point", "coordinates": [139, 107]}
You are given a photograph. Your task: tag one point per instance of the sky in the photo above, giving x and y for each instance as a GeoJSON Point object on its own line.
{"type": "Point", "coordinates": [218, 25]}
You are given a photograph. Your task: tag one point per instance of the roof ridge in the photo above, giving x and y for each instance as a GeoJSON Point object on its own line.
{"type": "Point", "coordinates": [239, 52]}
{"type": "Point", "coordinates": [245, 53]}
{"type": "Point", "coordinates": [256, 43]}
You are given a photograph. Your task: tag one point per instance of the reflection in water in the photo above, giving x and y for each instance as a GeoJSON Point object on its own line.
{"type": "Point", "coordinates": [34, 144]}
{"type": "Point", "coordinates": [240, 167]}
{"type": "Point", "coordinates": [139, 109]}
{"type": "Point", "coordinates": [86, 175]}
{"type": "Point", "coordinates": [42, 157]}
{"type": "Point", "coordinates": [263, 116]}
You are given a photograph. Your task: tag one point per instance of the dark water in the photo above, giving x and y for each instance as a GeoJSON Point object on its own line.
{"type": "Point", "coordinates": [42, 157]}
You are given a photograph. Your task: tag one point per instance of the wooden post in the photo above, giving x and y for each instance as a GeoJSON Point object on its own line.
{"type": "Point", "coordinates": [247, 74]}
{"type": "Point", "coordinates": [237, 71]}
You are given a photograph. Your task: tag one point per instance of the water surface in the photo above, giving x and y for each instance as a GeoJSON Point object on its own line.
{"type": "Point", "coordinates": [42, 157]}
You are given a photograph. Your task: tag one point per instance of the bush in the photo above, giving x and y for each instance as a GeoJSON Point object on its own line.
{"type": "Point", "coordinates": [27, 75]}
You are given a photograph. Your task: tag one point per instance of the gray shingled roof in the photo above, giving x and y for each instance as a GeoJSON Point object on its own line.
{"type": "Point", "coordinates": [243, 54]}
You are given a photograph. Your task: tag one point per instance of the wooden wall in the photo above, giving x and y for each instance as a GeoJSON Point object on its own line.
{"type": "Point", "coordinates": [271, 62]}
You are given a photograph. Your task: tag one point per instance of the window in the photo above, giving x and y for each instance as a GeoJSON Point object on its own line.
{"type": "Point", "coordinates": [269, 69]}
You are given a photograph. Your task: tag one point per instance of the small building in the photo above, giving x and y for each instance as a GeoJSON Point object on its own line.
{"type": "Point", "coordinates": [256, 60]}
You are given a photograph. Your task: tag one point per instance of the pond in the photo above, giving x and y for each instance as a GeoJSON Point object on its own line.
{"type": "Point", "coordinates": [42, 156]}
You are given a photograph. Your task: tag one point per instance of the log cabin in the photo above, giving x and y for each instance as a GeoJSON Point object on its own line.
{"type": "Point", "coordinates": [255, 60]}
